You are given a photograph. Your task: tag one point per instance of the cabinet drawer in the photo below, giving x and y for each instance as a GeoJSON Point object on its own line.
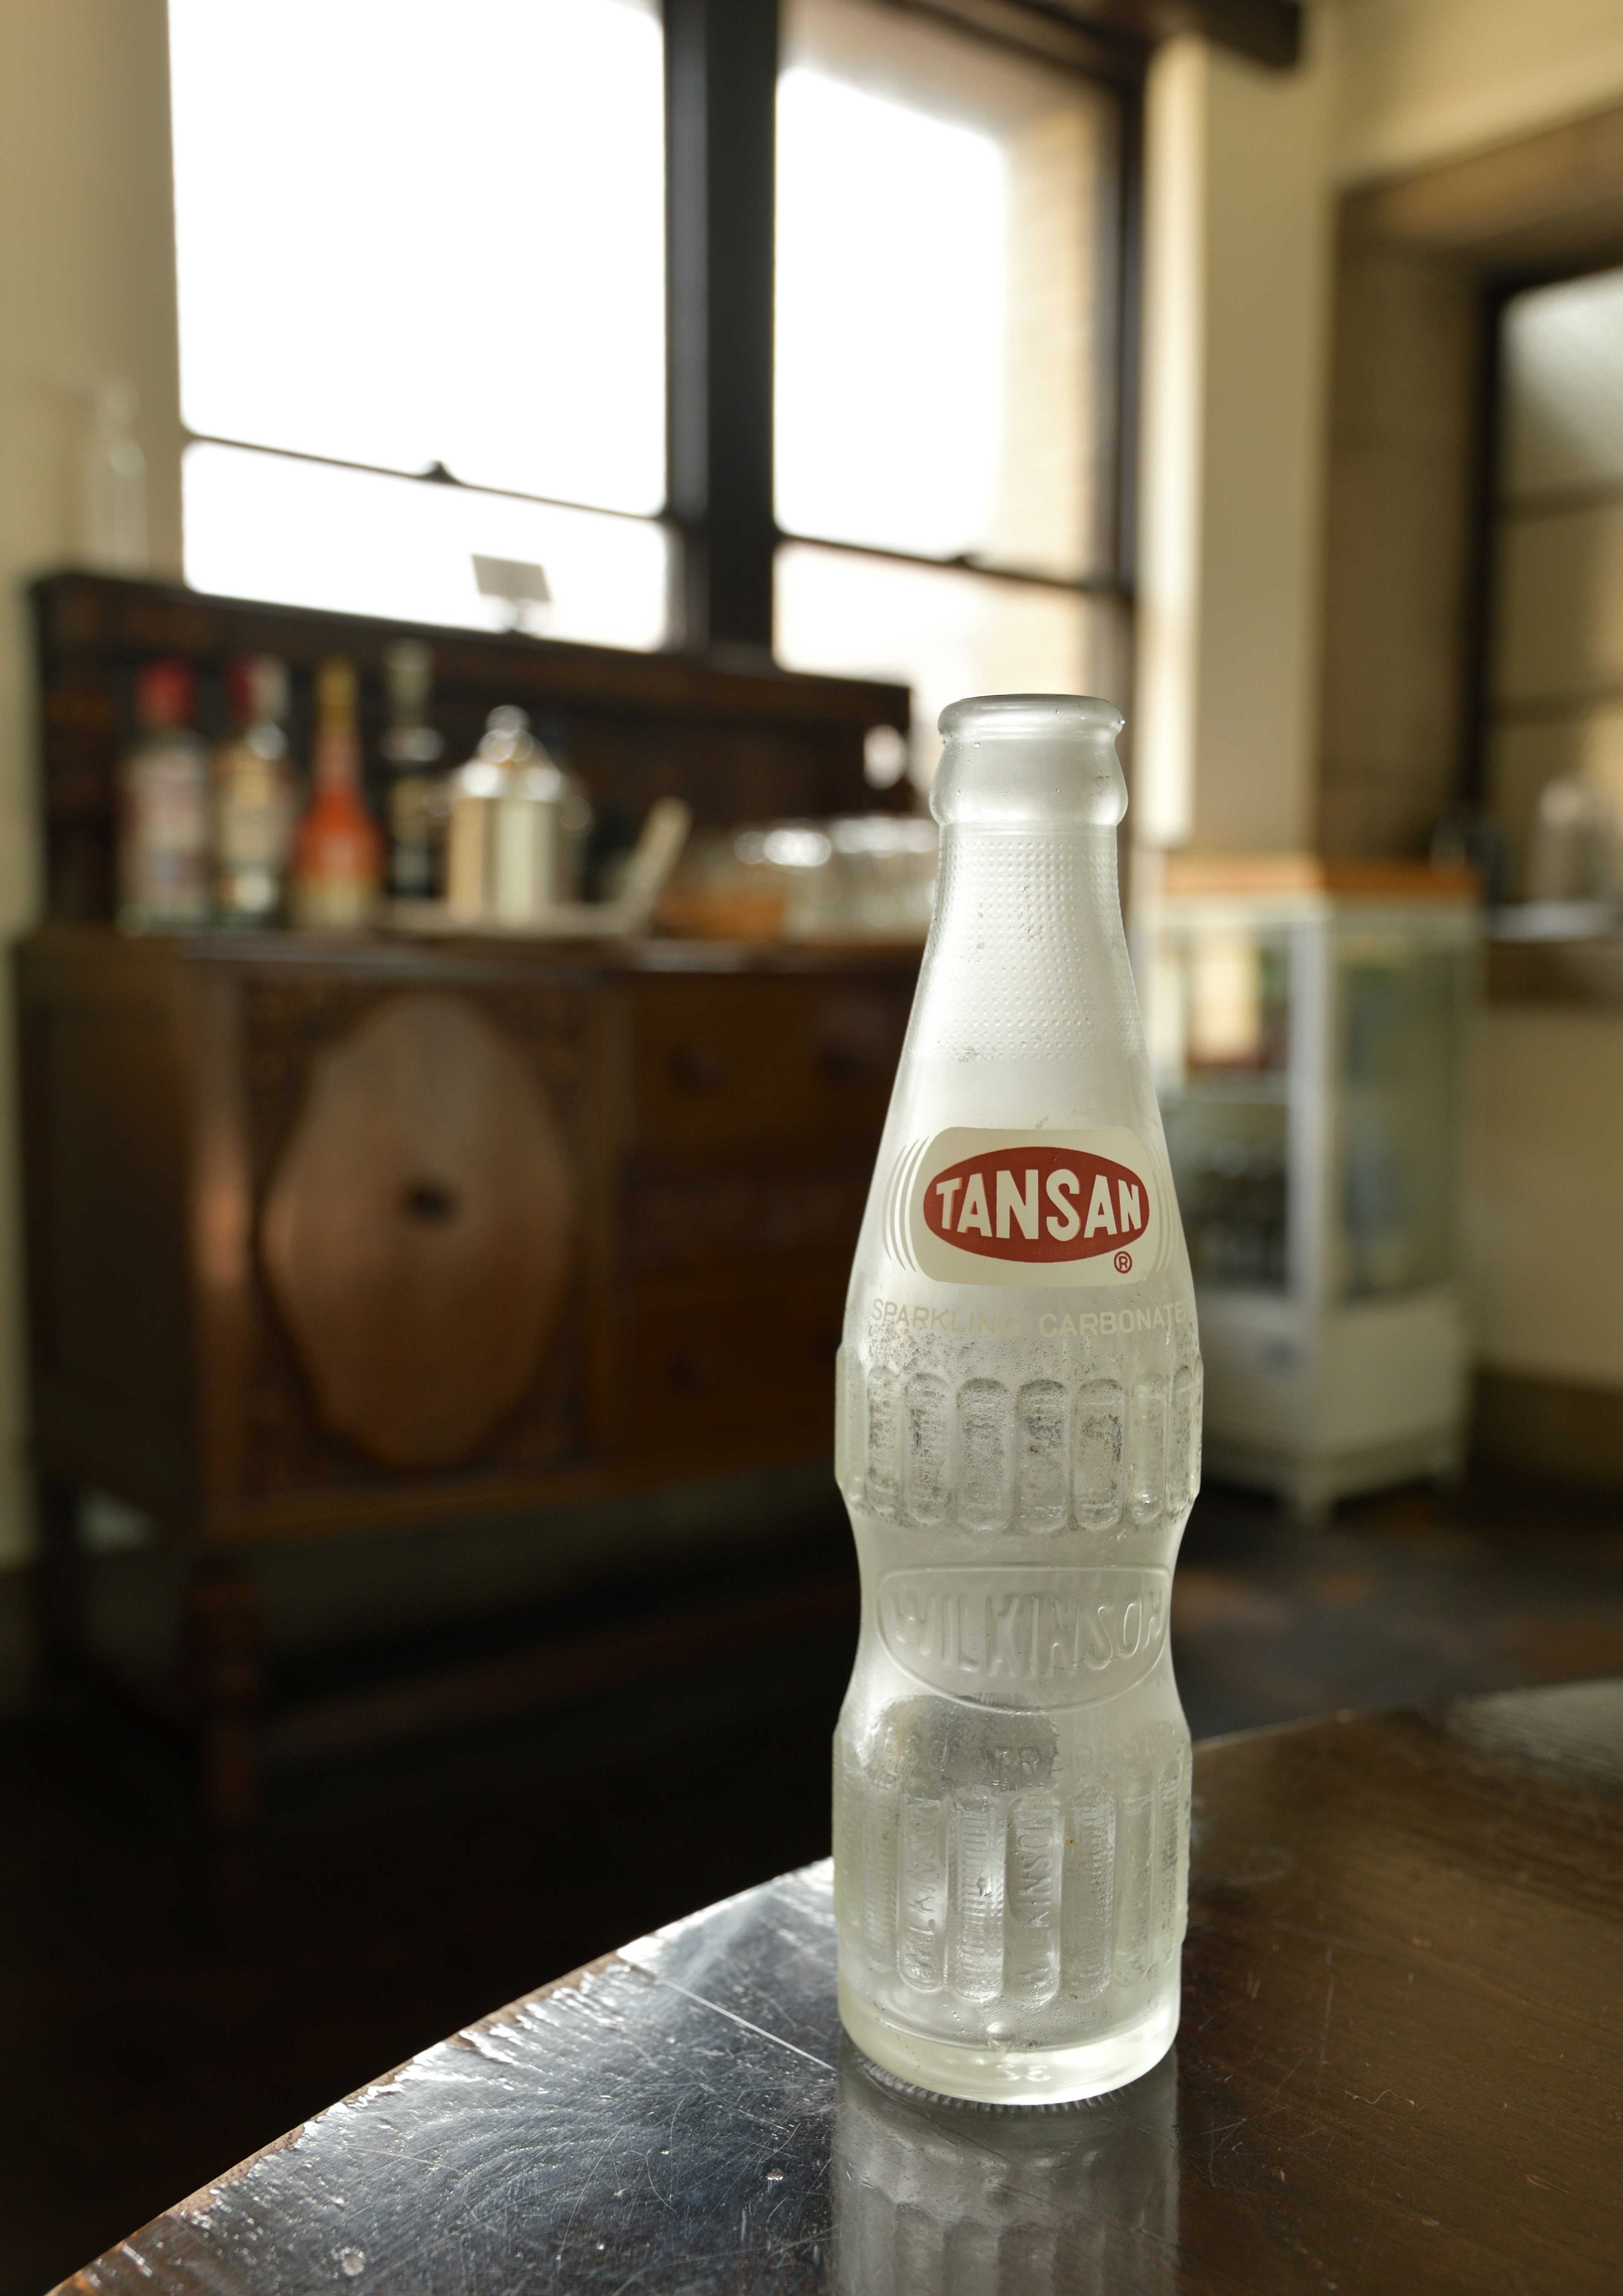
{"type": "Point", "coordinates": [736, 1065]}
{"type": "Point", "coordinates": [682, 1218]}
{"type": "Point", "coordinates": [738, 1373]}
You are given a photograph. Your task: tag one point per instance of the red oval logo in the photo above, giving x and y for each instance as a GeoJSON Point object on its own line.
{"type": "Point", "coordinates": [1037, 1204]}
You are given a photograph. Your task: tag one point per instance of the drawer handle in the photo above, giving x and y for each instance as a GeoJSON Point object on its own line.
{"type": "Point", "coordinates": [697, 1068]}
{"type": "Point", "coordinates": [690, 1371]}
{"type": "Point", "coordinates": [430, 1202]}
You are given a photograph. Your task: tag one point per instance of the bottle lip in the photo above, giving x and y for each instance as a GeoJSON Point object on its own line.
{"type": "Point", "coordinates": [994, 714]}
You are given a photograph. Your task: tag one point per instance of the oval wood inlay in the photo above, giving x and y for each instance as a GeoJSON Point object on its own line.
{"type": "Point", "coordinates": [417, 1231]}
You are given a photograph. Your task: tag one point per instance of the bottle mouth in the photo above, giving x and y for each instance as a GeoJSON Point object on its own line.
{"type": "Point", "coordinates": [1031, 761]}
{"type": "Point", "coordinates": [994, 716]}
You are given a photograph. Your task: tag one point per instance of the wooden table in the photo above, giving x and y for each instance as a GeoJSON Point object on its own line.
{"type": "Point", "coordinates": [1399, 2070]}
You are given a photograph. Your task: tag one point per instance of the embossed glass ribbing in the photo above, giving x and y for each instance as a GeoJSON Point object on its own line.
{"type": "Point", "coordinates": [1045, 1896]}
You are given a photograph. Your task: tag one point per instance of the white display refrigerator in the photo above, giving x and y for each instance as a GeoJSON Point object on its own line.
{"type": "Point", "coordinates": [1308, 1025]}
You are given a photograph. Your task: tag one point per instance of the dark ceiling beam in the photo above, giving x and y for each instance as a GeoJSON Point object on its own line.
{"type": "Point", "coordinates": [1032, 27]}
{"type": "Point", "coordinates": [1269, 31]}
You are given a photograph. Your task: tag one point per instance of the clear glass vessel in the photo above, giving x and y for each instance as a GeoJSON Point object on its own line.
{"type": "Point", "coordinates": [255, 797]}
{"type": "Point", "coordinates": [163, 809]}
{"type": "Point", "coordinates": [1018, 1445]}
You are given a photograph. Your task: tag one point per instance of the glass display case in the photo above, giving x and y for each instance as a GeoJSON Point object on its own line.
{"type": "Point", "coordinates": [1308, 1022]}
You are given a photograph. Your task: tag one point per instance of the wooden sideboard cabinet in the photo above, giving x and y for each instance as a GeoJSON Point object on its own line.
{"type": "Point", "coordinates": [330, 1233]}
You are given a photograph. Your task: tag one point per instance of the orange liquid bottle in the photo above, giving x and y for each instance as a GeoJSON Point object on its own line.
{"type": "Point", "coordinates": [337, 853]}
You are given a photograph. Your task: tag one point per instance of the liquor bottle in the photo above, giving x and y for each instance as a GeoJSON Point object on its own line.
{"type": "Point", "coordinates": [1018, 1445]}
{"type": "Point", "coordinates": [417, 804]}
{"type": "Point", "coordinates": [163, 809]}
{"type": "Point", "coordinates": [338, 852]}
{"type": "Point", "coordinates": [254, 799]}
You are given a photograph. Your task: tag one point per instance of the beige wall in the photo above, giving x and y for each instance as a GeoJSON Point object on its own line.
{"type": "Point", "coordinates": [1242, 167]}
{"type": "Point", "coordinates": [87, 293]}
{"type": "Point", "coordinates": [1419, 80]}
{"type": "Point", "coordinates": [1547, 1212]}
{"type": "Point", "coordinates": [1242, 170]}
{"type": "Point", "coordinates": [1238, 266]}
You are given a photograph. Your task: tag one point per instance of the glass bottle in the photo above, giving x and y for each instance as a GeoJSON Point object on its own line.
{"type": "Point", "coordinates": [416, 802]}
{"type": "Point", "coordinates": [518, 826]}
{"type": "Point", "coordinates": [1577, 843]}
{"type": "Point", "coordinates": [163, 809]}
{"type": "Point", "coordinates": [113, 481]}
{"type": "Point", "coordinates": [338, 852]}
{"type": "Point", "coordinates": [1018, 1445]}
{"type": "Point", "coordinates": [254, 799]}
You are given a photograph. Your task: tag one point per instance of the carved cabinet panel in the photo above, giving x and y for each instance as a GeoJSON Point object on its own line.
{"type": "Point", "coordinates": [437, 1231]}
{"type": "Point", "coordinates": [417, 1233]}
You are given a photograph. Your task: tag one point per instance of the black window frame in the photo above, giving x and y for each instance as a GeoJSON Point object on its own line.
{"type": "Point", "coordinates": [721, 67]}
{"type": "Point", "coordinates": [721, 71]}
{"type": "Point", "coordinates": [1489, 503]}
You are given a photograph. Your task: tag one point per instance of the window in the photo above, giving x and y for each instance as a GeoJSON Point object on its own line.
{"type": "Point", "coordinates": [947, 253]}
{"type": "Point", "coordinates": [1555, 703]}
{"type": "Point", "coordinates": [423, 319]}
{"type": "Point", "coordinates": [394, 222]}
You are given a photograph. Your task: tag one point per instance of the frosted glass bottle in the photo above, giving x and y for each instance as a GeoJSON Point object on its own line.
{"type": "Point", "coordinates": [1018, 1443]}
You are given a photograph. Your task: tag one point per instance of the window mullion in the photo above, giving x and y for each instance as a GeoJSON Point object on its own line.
{"type": "Point", "coordinates": [721, 63]}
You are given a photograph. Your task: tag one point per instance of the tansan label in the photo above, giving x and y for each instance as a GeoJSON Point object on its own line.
{"type": "Point", "coordinates": [1017, 1209]}
{"type": "Point", "coordinates": [1025, 1205]}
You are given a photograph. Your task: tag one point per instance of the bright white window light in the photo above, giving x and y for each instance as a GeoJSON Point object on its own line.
{"type": "Point", "coordinates": [891, 235]}
{"type": "Point", "coordinates": [409, 233]}
{"type": "Point", "coordinates": [312, 533]}
{"type": "Point", "coordinates": [1562, 350]}
{"type": "Point", "coordinates": [947, 230]}
{"type": "Point", "coordinates": [941, 631]}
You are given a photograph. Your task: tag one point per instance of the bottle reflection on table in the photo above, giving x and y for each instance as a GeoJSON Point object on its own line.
{"type": "Point", "coordinates": [930, 2196]}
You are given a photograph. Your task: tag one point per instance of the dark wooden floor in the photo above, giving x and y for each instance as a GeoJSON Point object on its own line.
{"type": "Point", "coordinates": [1401, 1599]}
{"type": "Point", "coordinates": [167, 2005]}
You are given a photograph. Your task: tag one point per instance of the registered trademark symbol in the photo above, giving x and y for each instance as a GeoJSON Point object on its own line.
{"type": "Point", "coordinates": [1124, 1263]}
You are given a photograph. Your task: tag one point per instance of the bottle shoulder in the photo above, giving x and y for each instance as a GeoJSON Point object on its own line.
{"type": "Point", "coordinates": [1026, 957]}
{"type": "Point", "coordinates": [173, 750]}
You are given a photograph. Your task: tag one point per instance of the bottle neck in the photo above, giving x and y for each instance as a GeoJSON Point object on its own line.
{"type": "Point", "coordinates": [1027, 959]}
{"type": "Point", "coordinates": [336, 762]}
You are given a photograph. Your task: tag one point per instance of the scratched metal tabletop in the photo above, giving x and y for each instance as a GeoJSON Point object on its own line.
{"type": "Point", "coordinates": [1398, 2069]}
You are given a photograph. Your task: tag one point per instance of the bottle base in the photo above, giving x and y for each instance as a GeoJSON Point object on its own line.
{"type": "Point", "coordinates": [993, 2076]}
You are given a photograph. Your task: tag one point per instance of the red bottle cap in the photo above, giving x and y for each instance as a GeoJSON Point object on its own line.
{"type": "Point", "coordinates": [164, 692]}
